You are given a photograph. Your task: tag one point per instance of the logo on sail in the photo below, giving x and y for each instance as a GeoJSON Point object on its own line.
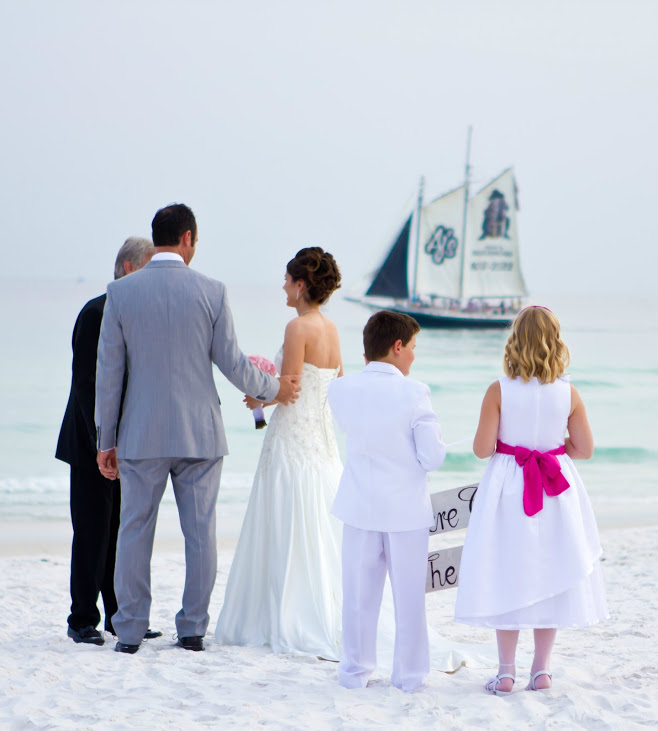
{"type": "Point", "coordinates": [495, 224]}
{"type": "Point", "coordinates": [442, 244]}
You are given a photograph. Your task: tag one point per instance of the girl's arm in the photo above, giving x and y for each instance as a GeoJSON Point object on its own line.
{"type": "Point", "coordinates": [580, 443]}
{"type": "Point", "coordinates": [484, 443]}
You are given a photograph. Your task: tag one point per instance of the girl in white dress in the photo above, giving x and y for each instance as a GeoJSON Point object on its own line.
{"type": "Point", "coordinates": [284, 588]}
{"type": "Point", "coordinates": [531, 554]}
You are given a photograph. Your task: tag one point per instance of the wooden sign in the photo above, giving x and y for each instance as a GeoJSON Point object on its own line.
{"type": "Point", "coordinates": [443, 569]}
{"type": "Point", "coordinates": [452, 511]}
{"type": "Point", "coordinates": [452, 508]}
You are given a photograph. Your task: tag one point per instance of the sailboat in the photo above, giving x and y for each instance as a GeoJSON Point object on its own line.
{"type": "Point", "coordinates": [455, 261]}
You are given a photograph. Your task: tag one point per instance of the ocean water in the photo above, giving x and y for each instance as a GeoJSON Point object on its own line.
{"type": "Point", "coordinates": [614, 364]}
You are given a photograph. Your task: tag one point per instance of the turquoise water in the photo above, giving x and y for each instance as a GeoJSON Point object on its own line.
{"type": "Point", "coordinates": [614, 352]}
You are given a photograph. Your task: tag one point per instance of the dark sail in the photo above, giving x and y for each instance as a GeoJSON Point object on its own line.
{"type": "Point", "coordinates": [391, 279]}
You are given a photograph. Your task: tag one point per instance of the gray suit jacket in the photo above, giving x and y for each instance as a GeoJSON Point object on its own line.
{"type": "Point", "coordinates": [166, 325]}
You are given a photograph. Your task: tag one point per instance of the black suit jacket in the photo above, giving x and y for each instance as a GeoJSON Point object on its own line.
{"type": "Point", "coordinates": [77, 437]}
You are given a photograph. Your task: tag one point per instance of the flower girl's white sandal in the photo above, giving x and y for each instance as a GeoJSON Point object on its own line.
{"type": "Point", "coordinates": [492, 684]}
{"type": "Point", "coordinates": [531, 685]}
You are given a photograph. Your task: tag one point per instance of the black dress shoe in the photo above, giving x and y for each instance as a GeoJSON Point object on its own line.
{"type": "Point", "coordinates": [128, 649]}
{"type": "Point", "coordinates": [89, 635]}
{"type": "Point", "coordinates": [191, 643]}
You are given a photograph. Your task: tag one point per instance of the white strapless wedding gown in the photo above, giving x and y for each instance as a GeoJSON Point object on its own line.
{"type": "Point", "coordinates": [284, 587]}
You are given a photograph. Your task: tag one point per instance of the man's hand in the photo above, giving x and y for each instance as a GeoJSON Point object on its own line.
{"type": "Point", "coordinates": [253, 403]}
{"type": "Point", "coordinates": [289, 389]}
{"type": "Point", "coordinates": [107, 464]}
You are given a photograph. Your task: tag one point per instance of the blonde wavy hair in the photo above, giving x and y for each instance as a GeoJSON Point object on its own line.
{"type": "Point", "coordinates": [535, 348]}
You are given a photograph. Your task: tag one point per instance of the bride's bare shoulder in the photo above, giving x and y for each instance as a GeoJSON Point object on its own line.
{"type": "Point", "coordinates": [331, 324]}
{"type": "Point", "coordinates": [295, 326]}
{"type": "Point", "coordinates": [298, 331]}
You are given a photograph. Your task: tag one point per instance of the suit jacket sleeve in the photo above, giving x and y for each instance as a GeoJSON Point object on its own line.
{"type": "Point", "coordinates": [234, 364]}
{"type": "Point", "coordinates": [85, 347]}
{"type": "Point", "coordinates": [430, 448]}
{"type": "Point", "coordinates": [110, 370]}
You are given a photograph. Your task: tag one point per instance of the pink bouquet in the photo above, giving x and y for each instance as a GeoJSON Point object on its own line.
{"type": "Point", "coordinates": [265, 366]}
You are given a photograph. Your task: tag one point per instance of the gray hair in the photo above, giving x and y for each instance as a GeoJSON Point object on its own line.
{"type": "Point", "coordinates": [134, 250]}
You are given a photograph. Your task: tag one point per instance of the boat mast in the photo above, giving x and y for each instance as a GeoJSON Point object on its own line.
{"type": "Point", "coordinates": [467, 175]}
{"type": "Point", "coordinates": [421, 186]}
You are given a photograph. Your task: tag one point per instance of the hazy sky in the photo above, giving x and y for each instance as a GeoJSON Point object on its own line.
{"type": "Point", "coordinates": [297, 122]}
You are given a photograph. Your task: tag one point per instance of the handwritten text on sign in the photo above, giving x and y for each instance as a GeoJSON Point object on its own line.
{"type": "Point", "coordinates": [452, 511]}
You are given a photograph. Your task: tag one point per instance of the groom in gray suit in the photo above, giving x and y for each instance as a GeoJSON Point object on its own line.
{"type": "Point", "coordinates": [165, 326]}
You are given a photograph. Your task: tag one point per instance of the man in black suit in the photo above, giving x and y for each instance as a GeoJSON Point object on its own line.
{"type": "Point", "coordinates": [95, 500]}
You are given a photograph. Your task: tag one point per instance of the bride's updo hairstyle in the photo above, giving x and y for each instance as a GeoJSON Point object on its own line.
{"type": "Point", "coordinates": [535, 348]}
{"type": "Point", "coordinates": [318, 270]}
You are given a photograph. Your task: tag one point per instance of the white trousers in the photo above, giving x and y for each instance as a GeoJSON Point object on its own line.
{"type": "Point", "coordinates": [367, 555]}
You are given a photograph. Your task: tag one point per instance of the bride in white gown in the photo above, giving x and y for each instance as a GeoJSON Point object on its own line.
{"type": "Point", "coordinates": [284, 587]}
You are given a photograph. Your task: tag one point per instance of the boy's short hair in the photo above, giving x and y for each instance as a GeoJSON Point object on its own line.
{"type": "Point", "coordinates": [382, 331]}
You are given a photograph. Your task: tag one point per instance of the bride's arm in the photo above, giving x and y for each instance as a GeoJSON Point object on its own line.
{"type": "Point", "coordinates": [294, 348]}
{"type": "Point", "coordinates": [340, 355]}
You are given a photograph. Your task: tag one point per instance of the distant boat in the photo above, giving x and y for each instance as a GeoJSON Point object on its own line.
{"type": "Point", "coordinates": [455, 261]}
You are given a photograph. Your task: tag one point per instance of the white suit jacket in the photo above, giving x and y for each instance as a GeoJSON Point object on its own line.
{"type": "Point", "coordinates": [393, 441]}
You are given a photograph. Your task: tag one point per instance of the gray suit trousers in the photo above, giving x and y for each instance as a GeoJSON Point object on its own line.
{"type": "Point", "coordinates": [143, 482]}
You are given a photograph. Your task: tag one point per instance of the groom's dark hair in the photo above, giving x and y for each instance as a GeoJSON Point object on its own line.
{"type": "Point", "coordinates": [384, 329]}
{"type": "Point", "coordinates": [170, 223]}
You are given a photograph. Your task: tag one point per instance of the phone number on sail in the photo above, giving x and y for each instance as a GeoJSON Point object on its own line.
{"type": "Point", "coordinates": [494, 266]}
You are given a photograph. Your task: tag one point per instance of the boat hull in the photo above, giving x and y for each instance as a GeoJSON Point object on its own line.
{"type": "Point", "coordinates": [432, 317]}
{"type": "Point", "coordinates": [436, 320]}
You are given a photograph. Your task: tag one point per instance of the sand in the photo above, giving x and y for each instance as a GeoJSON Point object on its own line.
{"type": "Point", "coordinates": [605, 677]}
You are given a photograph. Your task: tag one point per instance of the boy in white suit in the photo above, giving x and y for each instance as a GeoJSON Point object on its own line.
{"type": "Point", "coordinates": [393, 441]}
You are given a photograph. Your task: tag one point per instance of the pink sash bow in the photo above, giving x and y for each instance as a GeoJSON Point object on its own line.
{"type": "Point", "coordinates": [541, 471]}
